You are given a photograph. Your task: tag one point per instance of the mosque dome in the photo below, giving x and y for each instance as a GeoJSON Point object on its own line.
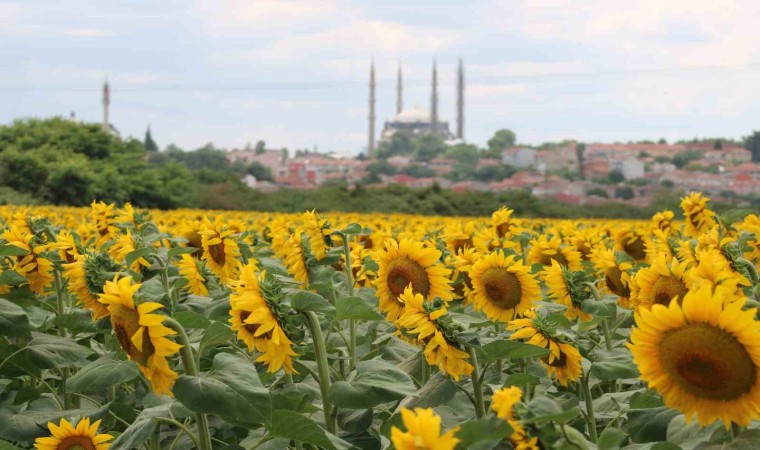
{"type": "Point", "coordinates": [414, 115]}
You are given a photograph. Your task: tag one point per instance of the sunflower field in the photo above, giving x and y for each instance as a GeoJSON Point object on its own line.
{"type": "Point", "coordinates": [131, 329]}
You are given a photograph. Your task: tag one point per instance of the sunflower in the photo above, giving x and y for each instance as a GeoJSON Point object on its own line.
{"type": "Point", "coordinates": [567, 288]}
{"type": "Point", "coordinates": [714, 269]}
{"type": "Point", "coordinates": [407, 262]}
{"type": "Point", "coordinates": [314, 227]}
{"type": "Point", "coordinates": [420, 319]}
{"type": "Point", "coordinates": [36, 269]}
{"type": "Point", "coordinates": [458, 236]}
{"type": "Point", "coordinates": [702, 356]}
{"type": "Point", "coordinates": [123, 246]}
{"type": "Point", "coordinates": [65, 436]}
{"type": "Point", "coordinates": [363, 275]}
{"type": "Point", "coordinates": [279, 234]}
{"type": "Point", "coordinates": [501, 221]}
{"type": "Point", "coordinates": [462, 264]}
{"type": "Point", "coordinates": [751, 224]}
{"type": "Point", "coordinates": [423, 432]}
{"type": "Point", "coordinates": [252, 316]}
{"type": "Point", "coordinates": [220, 251]}
{"type": "Point", "coordinates": [663, 221]}
{"type": "Point", "coordinates": [87, 276]}
{"type": "Point", "coordinates": [502, 403]}
{"type": "Point", "coordinates": [631, 242]}
{"type": "Point", "coordinates": [140, 333]}
{"type": "Point", "coordinates": [698, 218]}
{"type": "Point", "coordinates": [295, 258]}
{"type": "Point", "coordinates": [660, 283]}
{"type": "Point", "coordinates": [67, 246]}
{"type": "Point", "coordinates": [102, 217]}
{"type": "Point", "coordinates": [543, 250]}
{"type": "Point", "coordinates": [615, 269]}
{"type": "Point", "coordinates": [190, 268]}
{"type": "Point", "coordinates": [659, 243]}
{"type": "Point", "coordinates": [563, 361]}
{"type": "Point", "coordinates": [503, 286]}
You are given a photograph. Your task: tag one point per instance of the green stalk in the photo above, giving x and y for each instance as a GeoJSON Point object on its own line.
{"type": "Point", "coordinates": [424, 369]}
{"type": "Point", "coordinates": [60, 310]}
{"type": "Point", "coordinates": [590, 418]}
{"type": "Point", "coordinates": [605, 325]}
{"type": "Point", "coordinates": [323, 368]}
{"type": "Point", "coordinates": [350, 285]}
{"type": "Point", "coordinates": [188, 362]}
{"type": "Point", "coordinates": [477, 389]}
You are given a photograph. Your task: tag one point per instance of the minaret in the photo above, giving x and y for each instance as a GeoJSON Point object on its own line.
{"type": "Point", "coordinates": [434, 101]}
{"type": "Point", "coordinates": [460, 100]}
{"type": "Point", "coordinates": [371, 137]}
{"type": "Point", "coordinates": [106, 104]}
{"type": "Point", "coordinates": [399, 91]}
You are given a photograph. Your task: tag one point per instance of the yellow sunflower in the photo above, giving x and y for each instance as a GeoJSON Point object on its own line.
{"type": "Point", "coordinates": [67, 246]}
{"type": "Point", "coordinates": [423, 432]}
{"type": "Point", "coordinates": [503, 286]}
{"type": "Point", "coordinates": [459, 236]}
{"type": "Point", "coordinates": [698, 218]}
{"type": "Point", "coordinates": [123, 246]}
{"type": "Point", "coordinates": [140, 333]}
{"type": "Point", "coordinates": [256, 324]}
{"type": "Point", "coordinates": [563, 361]}
{"type": "Point", "coordinates": [102, 216]}
{"type": "Point", "coordinates": [295, 259]}
{"type": "Point", "coordinates": [543, 250]}
{"type": "Point", "coordinates": [660, 283]}
{"type": "Point", "coordinates": [65, 436]}
{"type": "Point", "coordinates": [314, 227]}
{"type": "Point", "coordinates": [189, 268]}
{"type": "Point", "coordinates": [420, 320]}
{"type": "Point", "coordinates": [502, 403]}
{"type": "Point", "coordinates": [714, 269]}
{"type": "Point", "coordinates": [501, 221]}
{"type": "Point", "coordinates": [560, 287]}
{"type": "Point", "coordinates": [615, 270]}
{"type": "Point", "coordinates": [36, 269]}
{"type": "Point", "coordinates": [279, 234]}
{"type": "Point", "coordinates": [220, 251]}
{"type": "Point", "coordinates": [702, 356]}
{"type": "Point", "coordinates": [663, 221]}
{"type": "Point", "coordinates": [631, 242]}
{"type": "Point", "coordinates": [86, 287]}
{"type": "Point", "coordinates": [408, 262]}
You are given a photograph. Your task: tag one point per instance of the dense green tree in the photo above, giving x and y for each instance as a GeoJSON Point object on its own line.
{"type": "Point", "coordinates": [752, 143]}
{"type": "Point", "coordinates": [615, 176]}
{"type": "Point", "coordinates": [494, 173]}
{"type": "Point", "coordinates": [682, 159]}
{"type": "Point", "coordinates": [417, 171]}
{"type": "Point", "coordinates": [463, 153]}
{"type": "Point", "coordinates": [428, 147]}
{"type": "Point", "coordinates": [502, 139]}
{"type": "Point", "coordinates": [260, 171]}
{"type": "Point", "coordinates": [580, 154]}
{"type": "Point", "coordinates": [399, 144]}
{"type": "Point", "coordinates": [149, 143]}
{"type": "Point", "coordinates": [624, 192]}
{"type": "Point", "coordinates": [261, 147]}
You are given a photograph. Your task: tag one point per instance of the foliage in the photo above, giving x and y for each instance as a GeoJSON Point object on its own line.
{"type": "Point", "coordinates": [682, 159]}
{"type": "Point", "coordinates": [502, 139]}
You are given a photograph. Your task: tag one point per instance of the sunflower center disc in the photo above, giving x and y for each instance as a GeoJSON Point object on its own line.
{"type": "Point", "coordinates": [667, 287]}
{"type": "Point", "coordinates": [707, 362]}
{"type": "Point", "coordinates": [635, 249]}
{"type": "Point", "coordinates": [253, 327]}
{"type": "Point", "coordinates": [546, 260]}
{"type": "Point", "coordinates": [502, 288]}
{"type": "Point", "coordinates": [502, 229]}
{"type": "Point", "coordinates": [404, 271]}
{"type": "Point", "coordinates": [217, 253]}
{"type": "Point", "coordinates": [76, 443]}
{"type": "Point", "coordinates": [461, 244]}
{"type": "Point", "coordinates": [614, 281]}
{"type": "Point", "coordinates": [125, 322]}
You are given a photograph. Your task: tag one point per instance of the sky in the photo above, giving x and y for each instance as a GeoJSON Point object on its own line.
{"type": "Point", "coordinates": [295, 73]}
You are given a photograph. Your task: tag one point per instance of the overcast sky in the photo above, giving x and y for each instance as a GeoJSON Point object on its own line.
{"type": "Point", "coordinates": [295, 73]}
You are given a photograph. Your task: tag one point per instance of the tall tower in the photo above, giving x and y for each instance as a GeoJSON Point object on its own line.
{"type": "Point", "coordinates": [106, 104]}
{"type": "Point", "coordinates": [399, 91]}
{"type": "Point", "coordinates": [460, 100]}
{"type": "Point", "coordinates": [371, 136]}
{"type": "Point", "coordinates": [434, 101]}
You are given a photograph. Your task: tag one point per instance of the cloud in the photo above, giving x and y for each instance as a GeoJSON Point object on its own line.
{"type": "Point", "coordinates": [85, 32]}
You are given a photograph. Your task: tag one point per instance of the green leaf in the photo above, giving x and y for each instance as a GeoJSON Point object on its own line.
{"type": "Point", "coordinates": [231, 390]}
{"type": "Point", "coordinates": [176, 251]}
{"type": "Point", "coordinates": [373, 383]}
{"type": "Point", "coordinates": [545, 409]}
{"type": "Point", "coordinates": [13, 320]}
{"type": "Point", "coordinates": [649, 425]}
{"type": "Point", "coordinates": [141, 429]}
{"type": "Point", "coordinates": [102, 373]}
{"type": "Point", "coordinates": [11, 278]}
{"type": "Point", "coordinates": [613, 365]}
{"type": "Point", "coordinates": [190, 319]}
{"type": "Point", "coordinates": [137, 254]}
{"type": "Point", "coordinates": [217, 333]}
{"type": "Point", "coordinates": [610, 439]}
{"type": "Point", "coordinates": [4, 445]}
{"type": "Point", "coordinates": [507, 349]}
{"type": "Point", "coordinates": [28, 425]}
{"type": "Point", "coordinates": [292, 425]}
{"type": "Point", "coordinates": [748, 440]}
{"type": "Point", "coordinates": [48, 352]}
{"type": "Point", "coordinates": [77, 321]}
{"type": "Point", "coordinates": [12, 250]}
{"type": "Point", "coordinates": [355, 420]}
{"type": "Point", "coordinates": [522, 380]}
{"type": "Point", "coordinates": [353, 228]}
{"type": "Point", "coordinates": [488, 430]}
{"type": "Point", "coordinates": [303, 301]}
{"type": "Point", "coordinates": [355, 308]}
{"type": "Point", "coordinates": [438, 391]}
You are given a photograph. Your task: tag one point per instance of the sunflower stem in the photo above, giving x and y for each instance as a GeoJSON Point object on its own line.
{"type": "Point", "coordinates": [605, 324]}
{"type": "Point", "coordinates": [60, 310]}
{"type": "Point", "coordinates": [477, 389]}
{"type": "Point", "coordinates": [350, 286]}
{"type": "Point", "coordinates": [424, 370]}
{"type": "Point", "coordinates": [590, 418]}
{"type": "Point", "coordinates": [323, 367]}
{"type": "Point", "coordinates": [188, 362]}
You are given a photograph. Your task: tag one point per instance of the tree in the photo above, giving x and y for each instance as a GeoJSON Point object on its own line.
{"type": "Point", "coordinates": [718, 145]}
{"type": "Point", "coordinates": [261, 147]}
{"type": "Point", "coordinates": [752, 143]}
{"type": "Point", "coordinates": [682, 159]}
{"type": "Point", "coordinates": [417, 171]}
{"type": "Point", "coordinates": [580, 153]}
{"type": "Point", "coordinates": [260, 171]}
{"type": "Point", "coordinates": [616, 176]}
{"type": "Point", "coordinates": [598, 192]}
{"type": "Point", "coordinates": [399, 144]}
{"type": "Point", "coordinates": [149, 143]}
{"type": "Point", "coordinates": [463, 153]}
{"type": "Point", "coordinates": [428, 147]}
{"type": "Point", "coordinates": [502, 139]}
{"type": "Point", "coordinates": [624, 192]}
{"type": "Point", "coordinates": [662, 141]}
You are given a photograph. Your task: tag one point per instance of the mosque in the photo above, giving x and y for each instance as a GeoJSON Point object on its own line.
{"type": "Point", "coordinates": [416, 121]}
